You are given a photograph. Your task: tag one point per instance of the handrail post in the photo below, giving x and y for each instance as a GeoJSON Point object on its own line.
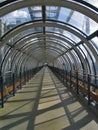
{"type": "Point", "coordinates": [63, 76]}
{"type": "Point", "coordinates": [2, 94]}
{"type": "Point", "coordinates": [88, 89]}
{"type": "Point", "coordinates": [20, 79]}
{"type": "Point", "coordinates": [13, 80]}
{"type": "Point", "coordinates": [24, 76]}
{"type": "Point", "coordinates": [77, 82]}
{"type": "Point", "coordinates": [66, 77]}
{"type": "Point", "coordinates": [70, 78]}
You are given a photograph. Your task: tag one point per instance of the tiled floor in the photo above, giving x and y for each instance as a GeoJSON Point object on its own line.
{"type": "Point", "coordinates": [45, 104]}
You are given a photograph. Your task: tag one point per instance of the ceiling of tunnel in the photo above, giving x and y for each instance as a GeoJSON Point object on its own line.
{"type": "Point", "coordinates": [48, 31]}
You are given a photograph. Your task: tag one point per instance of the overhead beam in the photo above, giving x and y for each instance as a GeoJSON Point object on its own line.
{"type": "Point", "coordinates": [70, 15]}
{"type": "Point", "coordinates": [88, 38]}
{"type": "Point", "coordinates": [43, 17]}
{"type": "Point", "coordinates": [86, 10]}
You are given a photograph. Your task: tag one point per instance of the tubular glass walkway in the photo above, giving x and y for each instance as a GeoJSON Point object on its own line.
{"type": "Point", "coordinates": [44, 103]}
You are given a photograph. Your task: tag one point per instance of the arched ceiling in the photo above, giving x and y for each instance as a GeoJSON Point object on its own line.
{"type": "Point", "coordinates": [49, 30]}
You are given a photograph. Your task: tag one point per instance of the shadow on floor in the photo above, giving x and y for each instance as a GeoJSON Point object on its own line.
{"type": "Point", "coordinates": [52, 109]}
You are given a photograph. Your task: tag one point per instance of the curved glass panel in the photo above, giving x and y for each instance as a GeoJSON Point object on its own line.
{"type": "Point", "coordinates": [94, 46]}
{"type": "Point", "coordinates": [59, 42]}
{"type": "Point", "coordinates": [20, 16]}
{"type": "Point", "coordinates": [50, 53]}
{"type": "Point", "coordinates": [35, 12]}
{"type": "Point", "coordinates": [95, 43]}
{"type": "Point", "coordinates": [71, 36]}
{"type": "Point", "coordinates": [72, 17]}
{"type": "Point", "coordinates": [89, 57]}
{"type": "Point", "coordinates": [25, 33]}
{"type": "Point", "coordinates": [3, 52]}
{"type": "Point", "coordinates": [55, 46]}
{"type": "Point", "coordinates": [70, 57]}
{"type": "Point", "coordinates": [15, 18]}
{"type": "Point", "coordinates": [63, 32]}
{"type": "Point", "coordinates": [52, 12]}
{"type": "Point", "coordinates": [67, 64]}
{"type": "Point", "coordinates": [48, 50]}
{"type": "Point", "coordinates": [93, 2]}
{"type": "Point", "coordinates": [87, 25]}
{"type": "Point", "coordinates": [78, 60]}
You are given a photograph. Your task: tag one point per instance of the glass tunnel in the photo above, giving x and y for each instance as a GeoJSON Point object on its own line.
{"type": "Point", "coordinates": [60, 34]}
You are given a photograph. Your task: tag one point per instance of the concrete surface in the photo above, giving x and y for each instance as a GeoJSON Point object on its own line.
{"type": "Point", "coordinates": [45, 104]}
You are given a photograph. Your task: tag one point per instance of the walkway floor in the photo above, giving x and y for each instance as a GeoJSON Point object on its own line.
{"type": "Point", "coordinates": [45, 104]}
